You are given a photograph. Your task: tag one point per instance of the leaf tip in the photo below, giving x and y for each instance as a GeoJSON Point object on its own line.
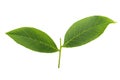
{"type": "Point", "coordinates": [7, 33]}
{"type": "Point", "coordinates": [114, 22]}
{"type": "Point", "coordinates": [106, 18]}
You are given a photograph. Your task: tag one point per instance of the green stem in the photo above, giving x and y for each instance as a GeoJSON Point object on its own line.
{"type": "Point", "coordinates": [59, 59]}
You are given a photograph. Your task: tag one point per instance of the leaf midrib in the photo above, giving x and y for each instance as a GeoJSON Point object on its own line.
{"type": "Point", "coordinates": [41, 42]}
{"type": "Point", "coordinates": [79, 35]}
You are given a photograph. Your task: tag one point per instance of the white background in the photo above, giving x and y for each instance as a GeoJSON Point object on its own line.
{"type": "Point", "coordinates": [97, 60]}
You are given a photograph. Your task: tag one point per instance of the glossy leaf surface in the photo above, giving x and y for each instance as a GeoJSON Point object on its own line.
{"type": "Point", "coordinates": [33, 39]}
{"type": "Point", "coordinates": [85, 30]}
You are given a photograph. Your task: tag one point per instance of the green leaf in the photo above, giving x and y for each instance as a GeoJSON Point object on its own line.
{"type": "Point", "coordinates": [33, 39]}
{"type": "Point", "coordinates": [86, 30]}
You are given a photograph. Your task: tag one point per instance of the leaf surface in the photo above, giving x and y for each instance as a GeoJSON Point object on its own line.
{"type": "Point", "coordinates": [33, 39]}
{"type": "Point", "coordinates": [85, 30]}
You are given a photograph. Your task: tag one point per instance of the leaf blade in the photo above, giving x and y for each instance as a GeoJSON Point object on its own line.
{"type": "Point", "coordinates": [85, 30]}
{"type": "Point", "coordinates": [33, 39]}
